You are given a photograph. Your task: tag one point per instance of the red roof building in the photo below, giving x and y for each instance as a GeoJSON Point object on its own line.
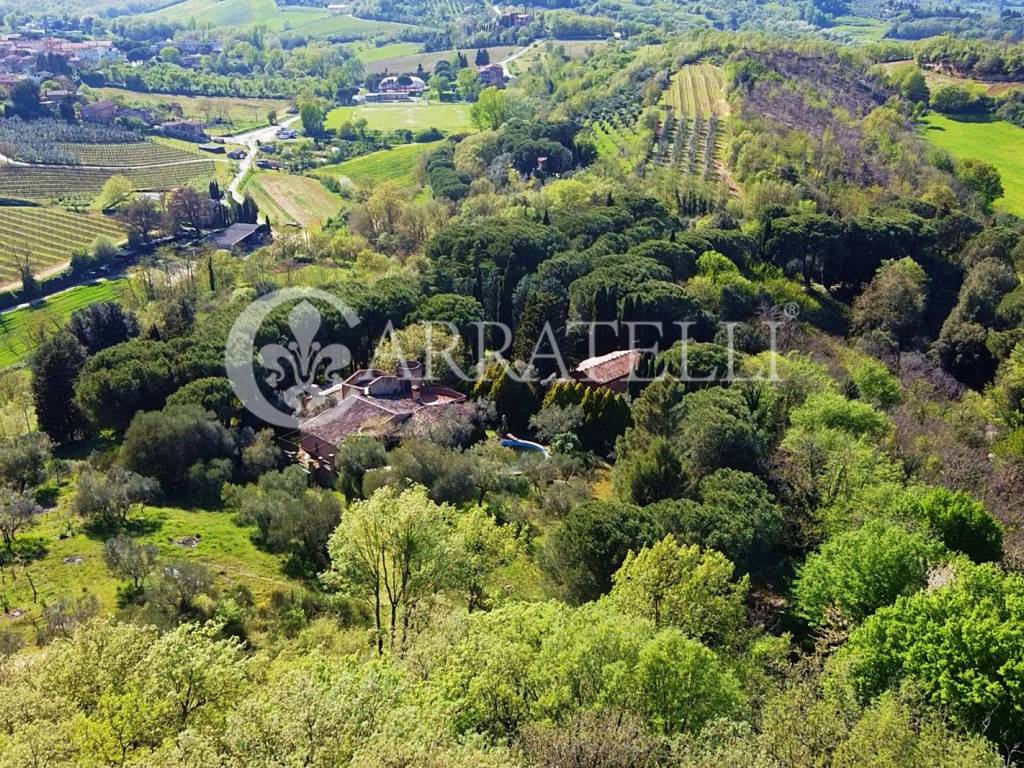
{"type": "Point", "coordinates": [372, 402]}
{"type": "Point", "coordinates": [611, 371]}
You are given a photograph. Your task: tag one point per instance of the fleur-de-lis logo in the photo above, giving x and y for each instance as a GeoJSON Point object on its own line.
{"type": "Point", "coordinates": [303, 364]}
{"type": "Point", "coordinates": [304, 358]}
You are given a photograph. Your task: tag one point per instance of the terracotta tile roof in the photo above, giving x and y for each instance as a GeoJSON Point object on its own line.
{"type": "Point", "coordinates": [361, 413]}
{"type": "Point", "coordinates": [610, 367]}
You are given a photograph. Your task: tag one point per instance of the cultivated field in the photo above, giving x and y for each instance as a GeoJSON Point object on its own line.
{"type": "Point", "coordinates": [45, 183]}
{"type": "Point", "coordinates": [20, 329]}
{"type": "Point", "coordinates": [314, 22]}
{"type": "Point", "coordinates": [397, 165]}
{"type": "Point", "coordinates": [412, 116]}
{"type": "Point", "coordinates": [286, 199]}
{"type": "Point", "coordinates": [48, 236]}
{"type": "Point", "coordinates": [998, 142]}
{"type": "Point", "coordinates": [227, 113]}
{"type": "Point", "coordinates": [698, 89]}
{"type": "Point", "coordinates": [408, 62]}
{"type": "Point", "coordinates": [127, 155]}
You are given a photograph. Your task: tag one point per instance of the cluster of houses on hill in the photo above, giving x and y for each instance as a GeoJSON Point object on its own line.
{"type": "Point", "coordinates": [20, 53]}
{"type": "Point", "coordinates": [382, 404]}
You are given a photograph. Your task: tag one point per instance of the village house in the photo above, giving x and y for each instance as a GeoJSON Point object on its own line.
{"type": "Point", "coordinates": [239, 238]}
{"type": "Point", "coordinates": [611, 371]}
{"type": "Point", "coordinates": [102, 112]}
{"type": "Point", "coordinates": [374, 402]}
{"type": "Point", "coordinates": [188, 130]}
{"type": "Point", "coordinates": [492, 75]}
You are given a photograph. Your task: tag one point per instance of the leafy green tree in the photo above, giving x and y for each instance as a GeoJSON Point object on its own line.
{"type": "Point", "coordinates": [491, 109]}
{"type": "Point", "coordinates": [312, 116]}
{"type": "Point", "coordinates": [591, 544]}
{"type": "Point", "coordinates": [212, 393]}
{"type": "Point", "coordinates": [960, 521]}
{"type": "Point", "coordinates": [680, 586]}
{"type": "Point", "coordinates": [116, 191]}
{"type": "Point", "coordinates": [484, 547]}
{"type": "Point", "coordinates": [393, 551]}
{"type": "Point", "coordinates": [650, 475]}
{"type": "Point", "coordinates": [107, 498]}
{"type": "Point", "coordinates": [103, 325]}
{"type": "Point", "coordinates": [166, 444]}
{"type": "Point", "coordinates": [177, 588]}
{"type": "Point", "coordinates": [736, 515]}
{"type": "Point", "coordinates": [130, 560]}
{"type": "Point", "coordinates": [893, 302]}
{"type": "Point", "coordinates": [124, 379]}
{"type": "Point", "coordinates": [962, 643]}
{"type": "Point", "coordinates": [828, 410]}
{"type": "Point", "coordinates": [468, 83]}
{"type": "Point", "coordinates": [981, 178]}
{"type": "Point", "coordinates": [23, 461]}
{"type": "Point", "coordinates": [290, 515]}
{"type": "Point", "coordinates": [357, 455]}
{"type": "Point", "coordinates": [681, 685]}
{"type": "Point", "coordinates": [17, 511]}
{"type": "Point", "coordinates": [55, 367]}
{"type": "Point", "coordinates": [857, 572]}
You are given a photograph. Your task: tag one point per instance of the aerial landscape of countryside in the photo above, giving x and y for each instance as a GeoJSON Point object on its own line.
{"type": "Point", "coordinates": [414, 384]}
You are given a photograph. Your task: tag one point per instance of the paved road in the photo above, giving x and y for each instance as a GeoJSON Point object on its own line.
{"type": "Point", "coordinates": [514, 56]}
{"type": "Point", "coordinates": [252, 141]}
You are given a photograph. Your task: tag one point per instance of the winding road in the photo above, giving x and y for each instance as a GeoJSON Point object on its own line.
{"type": "Point", "coordinates": [252, 141]}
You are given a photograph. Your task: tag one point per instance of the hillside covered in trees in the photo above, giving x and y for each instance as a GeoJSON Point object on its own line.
{"type": "Point", "coordinates": [786, 534]}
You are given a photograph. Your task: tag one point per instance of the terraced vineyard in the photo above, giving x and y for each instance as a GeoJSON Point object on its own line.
{"type": "Point", "coordinates": [48, 236]}
{"type": "Point", "coordinates": [121, 155]}
{"type": "Point", "coordinates": [42, 183]}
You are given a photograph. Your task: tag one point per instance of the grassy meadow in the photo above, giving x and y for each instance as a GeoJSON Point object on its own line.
{"type": "Point", "coordinates": [73, 563]}
{"type": "Point", "coordinates": [397, 165]}
{"type": "Point", "coordinates": [368, 53]}
{"type": "Point", "coordinates": [448, 117]}
{"type": "Point", "coordinates": [20, 328]}
{"type": "Point", "coordinates": [286, 199]}
{"type": "Point", "coordinates": [999, 142]}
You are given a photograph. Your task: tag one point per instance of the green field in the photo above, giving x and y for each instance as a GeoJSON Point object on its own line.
{"type": "Point", "coordinates": [859, 29]}
{"type": "Point", "coordinates": [369, 53]}
{"type": "Point", "coordinates": [413, 116]}
{"type": "Point", "coordinates": [74, 564]}
{"type": "Point", "coordinates": [397, 165]}
{"type": "Point", "coordinates": [20, 328]}
{"type": "Point", "coordinates": [288, 200]}
{"type": "Point", "coordinates": [314, 22]}
{"type": "Point", "coordinates": [227, 114]}
{"type": "Point", "coordinates": [42, 183]}
{"type": "Point", "coordinates": [48, 236]}
{"type": "Point", "coordinates": [998, 142]}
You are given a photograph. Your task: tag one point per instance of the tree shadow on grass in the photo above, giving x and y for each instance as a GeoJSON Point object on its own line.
{"type": "Point", "coordinates": [144, 524]}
